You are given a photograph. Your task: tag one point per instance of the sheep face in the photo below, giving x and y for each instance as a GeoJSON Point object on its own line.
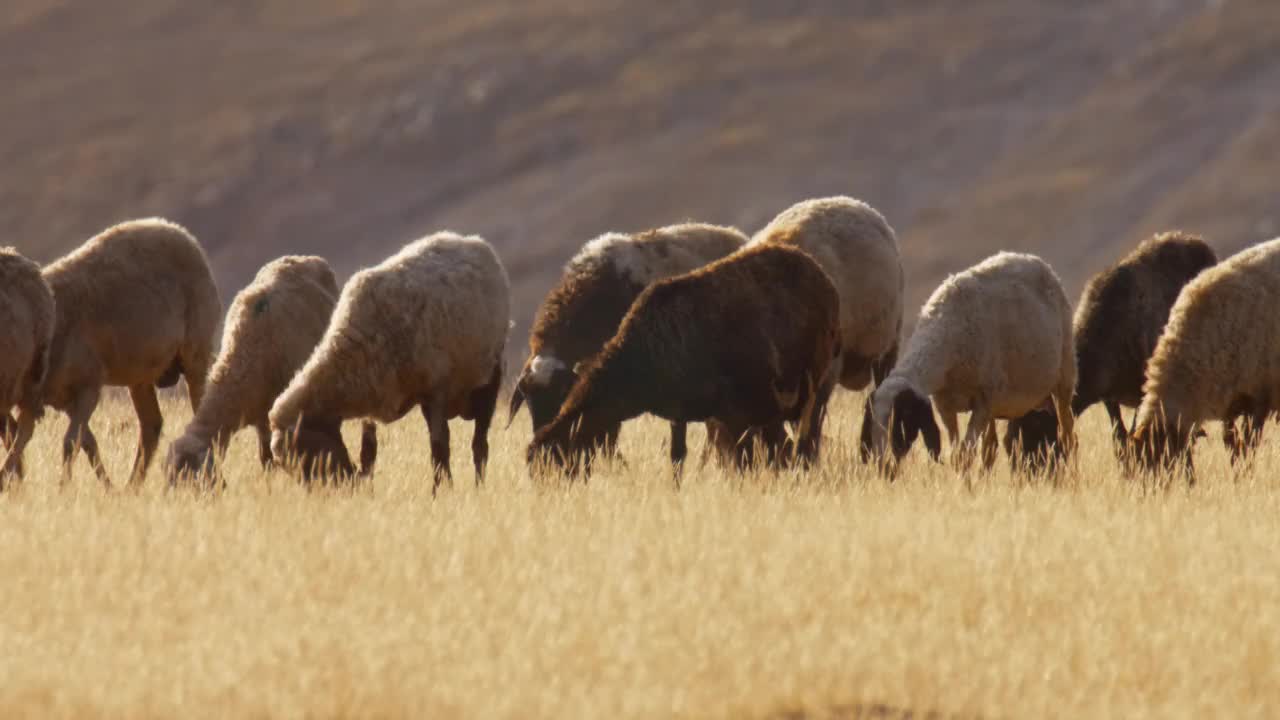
{"type": "Point", "coordinates": [544, 385]}
{"type": "Point", "coordinates": [900, 415]}
{"type": "Point", "coordinates": [188, 458]}
{"type": "Point", "coordinates": [1034, 438]}
{"type": "Point", "coordinates": [314, 446]}
{"type": "Point", "coordinates": [1160, 445]}
{"type": "Point", "coordinates": [566, 447]}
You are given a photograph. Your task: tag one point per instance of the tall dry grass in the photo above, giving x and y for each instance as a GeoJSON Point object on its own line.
{"type": "Point", "coordinates": [733, 597]}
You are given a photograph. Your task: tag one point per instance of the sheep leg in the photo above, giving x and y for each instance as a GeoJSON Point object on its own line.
{"type": "Point", "coordinates": [263, 430]}
{"type": "Point", "coordinates": [8, 429]}
{"type": "Point", "coordinates": [1249, 440]}
{"type": "Point", "coordinates": [979, 419]}
{"type": "Point", "coordinates": [438, 427]}
{"type": "Point", "coordinates": [1118, 430]}
{"type": "Point", "coordinates": [17, 434]}
{"type": "Point", "coordinates": [483, 403]}
{"type": "Point", "coordinates": [80, 437]}
{"type": "Point", "coordinates": [150, 422]}
{"type": "Point", "coordinates": [368, 447]}
{"type": "Point", "coordinates": [1066, 418]}
{"type": "Point", "coordinates": [989, 446]}
{"type": "Point", "coordinates": [679, 444]}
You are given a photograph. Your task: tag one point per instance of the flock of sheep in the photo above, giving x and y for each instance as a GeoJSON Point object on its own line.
{"type": "Point", "coordinates": [691, 323]}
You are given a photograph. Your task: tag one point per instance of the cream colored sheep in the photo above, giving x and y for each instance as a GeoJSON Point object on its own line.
{"type": "Point", "coordinates": [425, 328]}
{"type": "Point", "coordinates": [136, 306]}
{"type": "Point", "coordinates": [272, 327]}
{"type": "Point", "coordinates": [583, 311]}
{"type": "Point", "coordinates": [855, 245]}
{"type": "Point", "coordinates": [994, 340]}
{"type": "Point", "coordinates": [1217, 359]}
{"type": "Point", "coordinates": [26, 333]}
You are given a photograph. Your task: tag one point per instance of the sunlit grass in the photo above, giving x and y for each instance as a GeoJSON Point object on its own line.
{"type": "Point", "coordinates": [626, 598]}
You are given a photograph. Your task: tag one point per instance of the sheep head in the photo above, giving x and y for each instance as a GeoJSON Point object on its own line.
{"type": "Point", "coordinates": [1159, 444]}
{"type": "Point", "coordinates": [189, 458]}
{"type": "Point", "coordinates": [544, 383]}
{"type": "Point", "coordinates": [316, 447]}
{"type": "Point", "coordinates": [1033, 439]}
{"type": "Point", "coordinates": [899, 415]}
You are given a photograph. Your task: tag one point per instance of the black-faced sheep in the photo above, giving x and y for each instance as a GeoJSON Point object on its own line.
{"type": "Point", "coordinates": [136, 306]}
{"type": "Point", "coordinates": [1118, 321]}
{"type": "Point", "coordinates": [859, 250]}
{"type": "Point", "coordinates": [26, 334]}
{"type": "Point", "coordinates": [994, 340]}
{"type": "Point", "coordinates": [749, 341]}
{"type": "Point", "coordinates": [272, 327]}
{"type": "Point", "coordinates": [424, 328]}
{"type": "Point", "coordinates": [584, 310]}
{"type": "Point", "coordinates": [1217, 359]}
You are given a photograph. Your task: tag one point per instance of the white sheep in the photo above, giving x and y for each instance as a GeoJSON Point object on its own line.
{"type": "Point", "coordinates": [26, 333]}
{"type": "Point", "coordinates": [427, 328]}
{"type": "Point", "coordinates": [136, 306]}
{"type": "Point", "coordinates": [856, 246]}
{"type": "Point", "coordinates": [272, 327]}
{"type": "Point", "coordinates": [1218, 358]}
{"type": "Point", "coordinates": [994, 340]}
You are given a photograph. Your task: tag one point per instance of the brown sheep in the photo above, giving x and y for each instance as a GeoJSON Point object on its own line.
{"type": "Point", "coordinates": [585, 308]}
{"type": "Point", "coordinates": [1117, 324]}
{"type": "Point", "coordinates": [136, 306]}
{"type": "Point", "coordinates": [26, 333]}
{"type": "Point", "coordinates": [750, 341]}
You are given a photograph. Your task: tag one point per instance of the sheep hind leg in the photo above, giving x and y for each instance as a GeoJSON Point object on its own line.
{"type": "Point", "coordinates": [17, 433]}
{"type": "Point", "coordinates": [679, 449]}
{"type": "Point", "coordinates": [483, 403]}
{"type": "Point", "coordinates": [80, 437]}
{"type": "Point", "coordinates": [438, 426]}
{"type": "Point", "coordinates": [150, 423]}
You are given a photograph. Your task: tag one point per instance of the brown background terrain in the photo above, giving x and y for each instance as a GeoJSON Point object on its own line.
{"type": "Point", "coordinates": [1069, 129]}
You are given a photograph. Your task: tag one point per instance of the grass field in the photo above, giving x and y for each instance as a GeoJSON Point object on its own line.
{"type": "Point", "coordinates": [822, 595]}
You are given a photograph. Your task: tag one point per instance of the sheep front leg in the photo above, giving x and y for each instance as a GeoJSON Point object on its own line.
{"type": "Point", "coordinates": [1251, 437]}
{"type": "Point", "coordinates": [1067, 418]}
{"type": "Point", "coordinates": [979, 419]}
{"type": "Point", "coordinates": [263, 430]}
{"type": "Point", "coordinates": [483, 403]}
{"type": "Point", "coordinates": [1118, 431]}
{"type": "Point", "coordinates": [438, 427]}
{"type": "Point", "coordinates": [150, 422]}
{"type": "Point", "coordinates": [80, 437]}
{"type": "Point", "coordinates": [989, 446]}
{"type": "Point", "coordinates": [8, 429]}
{"type": "Point", "coordinates": [679, 446]}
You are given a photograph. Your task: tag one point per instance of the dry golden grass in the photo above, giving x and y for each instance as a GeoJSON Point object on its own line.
{"type": "Point", "coordinates": [624, 598]}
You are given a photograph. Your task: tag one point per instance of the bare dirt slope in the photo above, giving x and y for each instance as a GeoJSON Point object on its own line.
{"type": "Point", "coordinates": [1064, 128]}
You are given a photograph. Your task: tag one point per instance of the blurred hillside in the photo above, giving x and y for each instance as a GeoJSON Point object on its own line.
{"type": "Point", "coordinates": [1070, 129]}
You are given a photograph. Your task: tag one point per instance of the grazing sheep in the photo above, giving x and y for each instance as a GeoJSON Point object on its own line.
{"type": "Point", "coordinates": [749, 341]}
{"type": "Point", "coordinates": [859, 250]}
{"type": "Point", "coordinates": [26, 333]}
{"type": "Point", "coordinates": [136, 306]}
{"type": "Point", "coordinates": [272, 327]}
{"type": "Point", "coordinates": [1215, 360]}
{"type": "Point", "coordinates": [1118, 321]}
{"type": "Point", "coordinates": [426, 327]}
{"type": "Point", "coordinates": [585, 308]}
{"type": "Point", "coordinates": [994, 340]}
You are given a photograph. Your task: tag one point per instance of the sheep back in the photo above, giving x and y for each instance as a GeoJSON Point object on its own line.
{"type": "Point", "coordinates": [433, 318]}
{"type": "Point", "coordinates": [26, 332]}
{"type": "Point", "coordinates": [1122, 313]}
{"type": "Point", "coordinates": [1219, 344]}
{"type": "Point", "coordinates": [859, 251]}
{"type": "Point", "coordinates": [131, 298]}
{"type": "Point", "coordinates": [583, 311]}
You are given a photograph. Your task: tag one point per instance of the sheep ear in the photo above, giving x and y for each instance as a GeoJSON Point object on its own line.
{"type": "Point", "coordinates": [517, 399]}
{"type": "Point", "coordinates": [578, 367]}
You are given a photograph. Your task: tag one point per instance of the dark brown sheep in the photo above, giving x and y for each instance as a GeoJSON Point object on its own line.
{"type": "Point", "coordinates": [585, 308]}
{"type": "Point", "coordinates": [1118, 321]}
{"type": "Point", "coordinates": [748, 341]}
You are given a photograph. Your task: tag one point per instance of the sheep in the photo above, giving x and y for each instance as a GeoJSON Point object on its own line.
{"type": "Point", "coordinates": [1121, 314]}
{"type": "Point", "coordinates": [1215, 360]}
{"type": "Point", "coordinates": [273, 325]}
{"type": "Point", "coordinates": [26, 333]}
{"type": "Point", "coordinates": [426, 327]}
{"type": "Point", "coordinates": [135, 305]}
{"type": "Point", "coordinates": [994, 340]}
{"type": "Point", "coordinates": [583, 311]}
{"type": "Point", "coordinates": [750, 341]}
{"type": "Point", "coordinates": [859, 250]}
